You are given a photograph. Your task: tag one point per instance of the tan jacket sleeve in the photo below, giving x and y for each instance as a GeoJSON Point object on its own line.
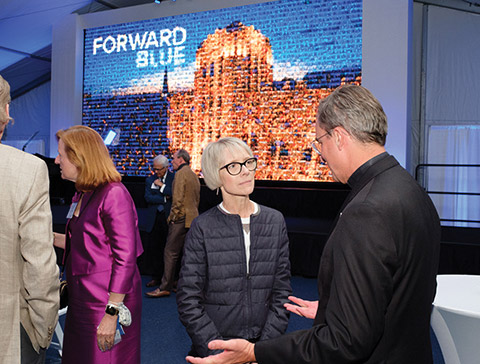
{"type": "Point", "coordinates": [186, 196]}
{"type": "Point", "coordinates": [177, 210]}
{"type": "Point", "coordinates": [39, 279]}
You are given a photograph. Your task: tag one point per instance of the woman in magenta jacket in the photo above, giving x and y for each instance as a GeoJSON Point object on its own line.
{"type": "Point", "coordinates": [102, 246]}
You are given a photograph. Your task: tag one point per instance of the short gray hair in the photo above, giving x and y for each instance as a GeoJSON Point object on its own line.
{"type": "Point", "coordinates": [4, 101]}
{"type": "Point", "coordinates": [161, 159]}
{"type": "Point", "coordinates": [213, 158]}
{"type": "Point", "coordinates": [182, 153]}
{"type": "Point", "coordinates": [356, 110]}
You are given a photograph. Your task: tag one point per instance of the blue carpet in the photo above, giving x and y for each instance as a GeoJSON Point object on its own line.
{"type": "Point", "coordinates": [164, 339]}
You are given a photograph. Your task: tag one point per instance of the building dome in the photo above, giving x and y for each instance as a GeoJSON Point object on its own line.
{"type": "Point", "coordinates": [237, 57]}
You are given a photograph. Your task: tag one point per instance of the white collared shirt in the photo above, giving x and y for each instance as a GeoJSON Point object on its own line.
{"type": "Point", "coordinates": [155, 187]}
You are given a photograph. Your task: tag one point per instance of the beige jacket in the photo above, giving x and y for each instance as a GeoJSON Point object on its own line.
{"type": "Point", "coordinates": [185, 196]}
{"type": "Point", "coordinates": [28, 272]}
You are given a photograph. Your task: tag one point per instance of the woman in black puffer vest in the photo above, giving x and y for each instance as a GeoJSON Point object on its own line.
{"type": "Point", "coordinates": [235, 275]}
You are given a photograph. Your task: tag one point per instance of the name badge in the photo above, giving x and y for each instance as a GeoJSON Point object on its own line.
{"type": "Point", "coordinates": [73, 206]}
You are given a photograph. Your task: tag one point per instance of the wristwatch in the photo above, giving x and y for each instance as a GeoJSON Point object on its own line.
{"type": "Point", "coordinates": [111, 310]}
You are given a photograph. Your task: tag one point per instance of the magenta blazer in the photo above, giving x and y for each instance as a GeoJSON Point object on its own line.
{"type": "Point", "coordinates": [109, 238]}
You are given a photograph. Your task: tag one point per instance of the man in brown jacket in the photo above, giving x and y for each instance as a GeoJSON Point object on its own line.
{"type": "Point", "coordinates": [185, 200]}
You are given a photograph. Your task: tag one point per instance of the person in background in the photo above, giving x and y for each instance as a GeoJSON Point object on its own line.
{"type": "Point", "coordinates": [101, 250]}
{"type": "Point", "coordinates": [158, 195]}
{"type": "Point", "coordinates": [29, 276]}
{"type": "Point", "coordinates": [185, 201]}
{"type": "Point", "coordinates": [377, 275]}
{"type": "Point", "coordinates": [235, 274]}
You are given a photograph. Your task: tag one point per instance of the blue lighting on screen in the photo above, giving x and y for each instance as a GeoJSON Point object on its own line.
{"type": "Point", "coordinates": [177, 82]}
{"type": "Point", "coordinates": [109, 138]}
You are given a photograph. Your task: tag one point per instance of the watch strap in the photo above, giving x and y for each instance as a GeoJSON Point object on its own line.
{"type": "Point", "coordinates": [111, 310]}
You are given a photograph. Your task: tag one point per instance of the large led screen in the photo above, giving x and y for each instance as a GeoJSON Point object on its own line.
{"type": "Point", "coordinates": [256, 72]}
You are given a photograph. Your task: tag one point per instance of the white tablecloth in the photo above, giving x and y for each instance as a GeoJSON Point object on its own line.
{"type": "Point", "coordinates": [456, 318]}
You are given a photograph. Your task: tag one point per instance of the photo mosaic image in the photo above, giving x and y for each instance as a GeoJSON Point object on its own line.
{"type": "Point", "coordinates": [255, 72]}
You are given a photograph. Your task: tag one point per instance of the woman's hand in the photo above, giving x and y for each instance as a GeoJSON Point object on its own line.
{"type": "Point", "coordinates": [106, 332]}
{"type": "Point", "coordinates": [59, 240]}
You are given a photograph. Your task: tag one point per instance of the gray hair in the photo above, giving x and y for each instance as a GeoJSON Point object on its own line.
{"type": "Point", "coordinates": [161, 159]}
{"type": "Point", "coordinates": [4, 101]}
{"type": "Point", "coordinates": [213, 158]}
{"type": "Point", "coordinates": [182, 153]}
{"type": "Point", "coordinates": [356, 110]}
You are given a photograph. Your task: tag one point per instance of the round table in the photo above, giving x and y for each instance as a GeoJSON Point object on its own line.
{"type": "Point", "coordinates": [456, 318]}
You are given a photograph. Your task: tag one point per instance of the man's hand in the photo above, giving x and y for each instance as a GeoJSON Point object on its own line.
{"type": "Point", "coordinates": [235, 351]}
{"type": "Point", "coordinates": [158, 182]}
{"type": "Point", "coordinates": [301, 307]}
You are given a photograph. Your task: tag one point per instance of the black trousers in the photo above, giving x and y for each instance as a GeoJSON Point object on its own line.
{"type": "Point", "coordinates": [28, 353]}
{"type": "Point", "coordinates": [156, 246]}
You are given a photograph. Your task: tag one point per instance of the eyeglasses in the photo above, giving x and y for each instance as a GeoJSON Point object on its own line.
{"type": "Point", "coordinates": [159, 169]}
{"type": "Point", "coordinates": [316, 143]}
{"type": "Point", "coordinates": [235, 168]}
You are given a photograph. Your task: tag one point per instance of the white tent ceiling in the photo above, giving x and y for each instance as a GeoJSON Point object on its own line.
{"type": "Point", "coordinates": [26, 35]}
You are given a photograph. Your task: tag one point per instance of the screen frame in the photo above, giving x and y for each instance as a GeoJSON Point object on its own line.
{"type": "Point", "coordinates": [386, 62]}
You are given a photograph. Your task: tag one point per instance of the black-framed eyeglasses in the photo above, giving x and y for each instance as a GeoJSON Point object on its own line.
{"type": "Point", "coordinates": [235, 168]}
{"type": "Point", "coordinates": [316, 143]}
{"type": "Point", "coordinates": [159, 169]}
